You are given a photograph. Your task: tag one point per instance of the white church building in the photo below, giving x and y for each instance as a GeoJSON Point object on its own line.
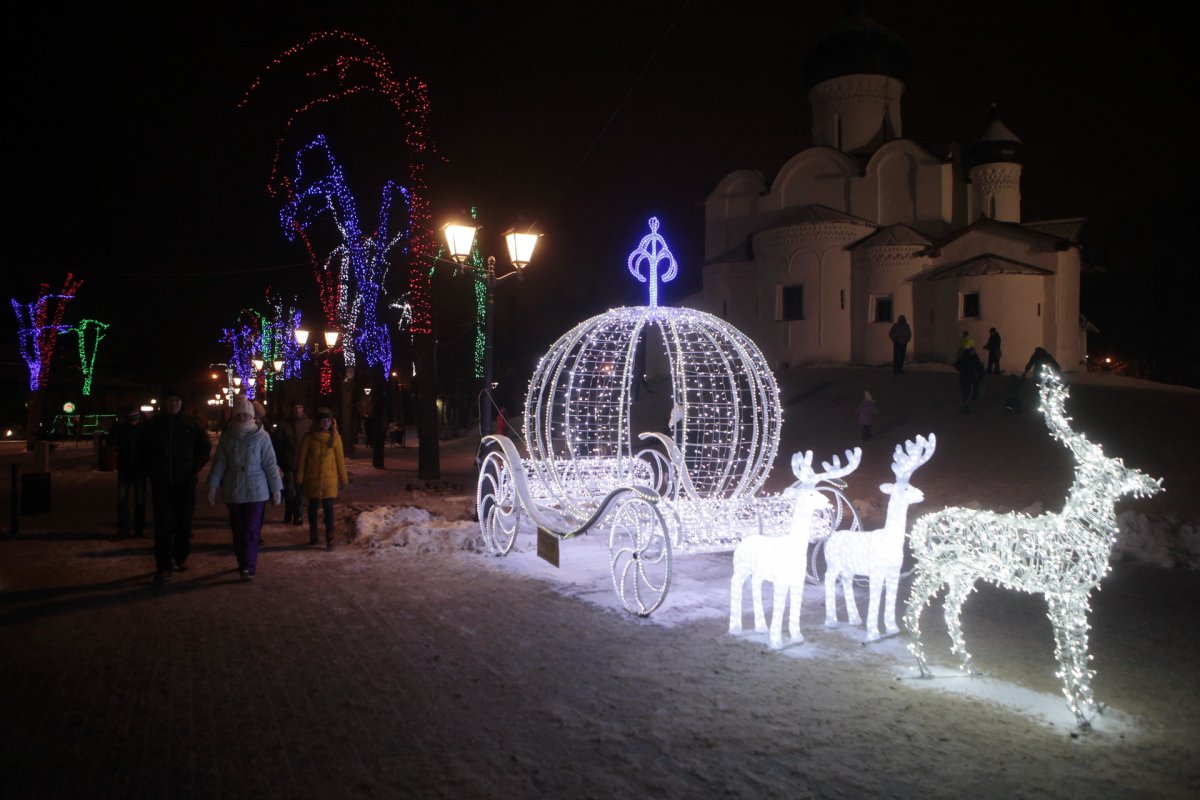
{"type": "Point", "coordinates": [864, 226]}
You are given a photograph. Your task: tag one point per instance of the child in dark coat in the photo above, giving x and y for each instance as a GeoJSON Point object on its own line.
{"type": "Point", "coordinates": [866, 414]}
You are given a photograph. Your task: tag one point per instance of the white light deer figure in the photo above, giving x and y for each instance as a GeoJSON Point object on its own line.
{"type": "Point", "coordinates": [878, 554]}
{"type": "Point", "coordinates": [1064, 555]}
{"type": "Point", "coordinates": [782, 560]}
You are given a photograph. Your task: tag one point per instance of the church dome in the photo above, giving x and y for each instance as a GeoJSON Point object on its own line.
{"type": "Point", "coordinates": [997, 145]}
{"type": "Point", "coordinates": [858, 45]}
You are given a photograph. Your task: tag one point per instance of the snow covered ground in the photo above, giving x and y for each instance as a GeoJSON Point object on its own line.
{"type": "Point", "coordinates": [989, 458]}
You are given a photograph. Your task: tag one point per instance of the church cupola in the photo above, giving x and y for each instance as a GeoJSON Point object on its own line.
{"type": "Point", "coordinates": [855, 77]}
{"type": "Point", "coordinates": [994, 169]}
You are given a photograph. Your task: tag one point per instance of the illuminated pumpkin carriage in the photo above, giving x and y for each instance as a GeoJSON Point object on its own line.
{"type": "Point", "coordinates": [687, 482]}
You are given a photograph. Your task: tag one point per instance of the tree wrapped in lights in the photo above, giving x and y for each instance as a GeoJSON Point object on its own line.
{"type": "Point", "coordinates": [95, 331]}
{"type": "Point", "coordinates": [341, 66]}
{"type": "Point", "coordinates": [352, 277]}
{"type": "Point", "coordinates": [1063, 556]}
{"type": "Point", "coordinates": [878, 554]}
{"type": "Point", "coordinates": [39, 324]}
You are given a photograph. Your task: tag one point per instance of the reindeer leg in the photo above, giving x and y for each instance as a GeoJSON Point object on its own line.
{"type": "Point", "coordinates": [956, 595]}
{"type": "Point", "coordinates": [796, 599]}
{"type": "Point", "coordinates": [778, 601]}
{"type": "Point", "coordinates": [852, 615]}
{"type": "Point", "coordinates": [924, 590]}
{"type": "Point", "coordinates": [736, 586]}
{"type": "Point", "coordinates": [760, 616]}
{"type": "Point", "coordinates": [831, 579]}
{"type": "Point", "coordinates": [876, 590]}
{"type": "Point", "coordinates": [891, 585]}
{"type": "Point", "coordinates": [1068, 613]}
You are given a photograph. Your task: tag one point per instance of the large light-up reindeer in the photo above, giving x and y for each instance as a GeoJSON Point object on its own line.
{"type": "Point", "coordinates": [782, 560]}
{"type": "Point", "coordinates": [1064, 555]}
{"type": "Point", "coordinates": [878, 554]}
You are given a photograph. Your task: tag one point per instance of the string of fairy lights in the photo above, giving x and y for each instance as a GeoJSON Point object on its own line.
{"type": "Point", "coordinates": [38, 325]}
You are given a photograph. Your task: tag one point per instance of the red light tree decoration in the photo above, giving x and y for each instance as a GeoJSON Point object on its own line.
{"type": "Point", "coordinates": [40, 324]}
{"type": "Point", "coordinates": [359, 68]}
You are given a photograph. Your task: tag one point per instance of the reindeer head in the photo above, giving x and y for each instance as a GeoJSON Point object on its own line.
{"type": "Point", "coordinates": [804, 490]}
{"type": "Point", "coordinates": [904, 463]}
{"type": "Point", "coordinates": [1093, 468]}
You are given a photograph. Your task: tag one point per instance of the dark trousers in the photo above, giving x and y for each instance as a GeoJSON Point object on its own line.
{"type": "Point", "coordinates": [993, 364]}
{"type": "Point", "coordinates": [898, 356]}
{"type": "Point", "coordinates": [245, 520]}
{"type": "Point", "coordinates": [131, 489]}
{"type": "Point", "coordinates": [326, 504]}
{"type": "Point", "coordinates": [174, 505]}
{"type": "Point", "coordinates": [293, 499]}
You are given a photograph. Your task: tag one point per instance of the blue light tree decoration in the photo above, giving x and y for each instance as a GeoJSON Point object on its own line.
{"type": "Point", "coordinates": [648, 251]}
{"type": "Point", "coordinates": [353, 275]}
{"type": "Point", "coordinates": [40, 327]}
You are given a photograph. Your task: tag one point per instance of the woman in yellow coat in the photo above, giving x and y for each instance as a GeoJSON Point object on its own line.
{"type": "Point", "coordinates": [321, 471]}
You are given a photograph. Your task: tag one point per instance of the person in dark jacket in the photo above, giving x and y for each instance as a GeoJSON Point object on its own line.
{"type": "Point", "coordinates": [993, 351]}
{"type": "Point", "coordinates": [970, 373]}
{"type": "Point", "coordinates": [173, 448]}
{"type": "Point", "coordinates": [899, 333]}
{"type": "Point", "coordinates": [289, 435]}
{"type": "Point", "coordinates": [1040, 356]}
{"type": "Point", "coordinates": [131, 478]}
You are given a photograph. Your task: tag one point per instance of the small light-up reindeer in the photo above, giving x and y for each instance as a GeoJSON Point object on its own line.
{"type": "Point", "coordinates": [783, 560]}
{"type": "Point", "coordinates": [1064, 556]}
{"type": "Point", "coordinates": [877, 554]}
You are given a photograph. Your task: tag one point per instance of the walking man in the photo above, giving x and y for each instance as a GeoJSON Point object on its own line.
{"type": "Point", "coordinates": [899, 333]}
{"type": "Point", "coordinates": [291, 433]}
{"type": "Point", "coordinates": [174, 447]}
{"type": "Point", "coordinates": [993, 350]}
{"type": "Point", "coordinates": [131, 478]}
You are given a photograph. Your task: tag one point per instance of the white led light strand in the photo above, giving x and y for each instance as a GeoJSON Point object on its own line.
{"type": "Point", "coordinates": [1063, 556]}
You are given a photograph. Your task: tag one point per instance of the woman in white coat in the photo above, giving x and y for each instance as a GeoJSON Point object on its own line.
{"type": "Point", "coordinates": [244, 467]}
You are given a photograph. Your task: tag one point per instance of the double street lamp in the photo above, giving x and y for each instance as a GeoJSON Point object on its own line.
{"type": "Point", "coordinates": [460, 240]}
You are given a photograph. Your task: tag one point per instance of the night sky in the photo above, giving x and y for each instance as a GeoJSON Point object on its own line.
{"type": "Point", "coordinates": [130, 164]}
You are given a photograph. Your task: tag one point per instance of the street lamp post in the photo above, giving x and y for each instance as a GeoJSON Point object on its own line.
{"type": "Point", "coordinates": [331, 339]}
{"type": "Point", "coordinates": [460, 240]}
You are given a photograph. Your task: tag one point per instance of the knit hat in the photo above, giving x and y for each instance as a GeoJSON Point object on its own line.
{"type": "Point", "coordinates": [172, 392]}
{"type": "Point", "coordinates": [243, 406]}
{"type": "Point", "coordinates": [259, 411]}
{"type": "Point", "coordinates": [324, 413]}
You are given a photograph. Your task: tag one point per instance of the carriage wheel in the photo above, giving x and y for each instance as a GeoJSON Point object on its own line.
{"type": "Point", "coordinates": [639, 553]}
{"type": "Point", "coordinates": [496, 500]}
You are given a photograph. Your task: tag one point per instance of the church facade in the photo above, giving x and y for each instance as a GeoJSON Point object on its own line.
{"type": "Point", "coordinates": [865, 226]}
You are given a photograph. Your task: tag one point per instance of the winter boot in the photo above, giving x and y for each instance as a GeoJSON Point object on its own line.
{"type": "Point", "coordinates": [328, 540]}
{"type": "Point", "coordinates": [312, 534]}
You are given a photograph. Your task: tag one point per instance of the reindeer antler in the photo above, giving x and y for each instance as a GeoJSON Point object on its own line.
{"type": "Point", "coordinates": [905, 462]}
{"type": "Point", "coordinates": [807, 478]}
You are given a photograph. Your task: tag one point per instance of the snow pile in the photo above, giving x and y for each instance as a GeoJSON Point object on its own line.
{"type": "Point", "coordinates": [415, 530]}
{"type": "Point", "coordinates": [1158, 542]}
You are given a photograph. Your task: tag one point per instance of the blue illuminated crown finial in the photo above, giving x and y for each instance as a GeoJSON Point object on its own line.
{"type": "Point", "coordinates": [648, 249]}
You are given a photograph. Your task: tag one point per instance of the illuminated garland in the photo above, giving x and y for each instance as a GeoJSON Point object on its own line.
{"type": "Point", "coordinates": [353, 276]}
{"type": "Point", "coordinates": [36, 336]}
{"type": "Point", "coordinates": [87, 362]}
{"type": "Point", "coordinates": [363, 69]}
{"type": "Point", "coordinates": [648, 251]}
{"type": "Point", "coordinates": [1061, 556]}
